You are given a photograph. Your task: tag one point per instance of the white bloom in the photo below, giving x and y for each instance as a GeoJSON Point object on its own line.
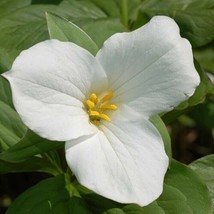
{"type": "Point", "coordinates": [101, 105]}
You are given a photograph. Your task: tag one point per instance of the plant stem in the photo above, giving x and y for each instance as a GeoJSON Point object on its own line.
{"type": "Point", "coordinates": [58, 170]}
{"type": "Point", "coordinates": [70, 187]}
{"type": "Point", "coordinates": [124, 12]}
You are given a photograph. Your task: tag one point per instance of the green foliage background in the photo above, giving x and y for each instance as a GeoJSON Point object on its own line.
{"type": "Point", "coordinates": [187, 188]}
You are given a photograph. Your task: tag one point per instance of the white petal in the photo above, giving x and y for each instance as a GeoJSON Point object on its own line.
{"type": "Point", "coordinates": [151, 69]}
{"type": "Point", "coordinates": [50, 82]}
{"type": "Point", "coordinates": [125, 162]}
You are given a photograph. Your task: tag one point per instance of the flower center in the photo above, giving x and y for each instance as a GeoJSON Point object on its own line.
{"type": "Point", "coordinates": [97, 108]}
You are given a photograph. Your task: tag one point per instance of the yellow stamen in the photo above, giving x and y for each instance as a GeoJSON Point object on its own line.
{"type": "Point", "coordinates": [94, 113]}
{"type": "Point", "coordinates": [105, 117]}
{"type": "Point", "coordinates": [107, 96]}
{"type": "Point", "coordinates": [108, 107]}
{"type": "Point", "coordinates": [90, 104]}
{"type": "Point", "coordinates": [96, 107]}
{"type": "Point", "coordinates": [93, 98]}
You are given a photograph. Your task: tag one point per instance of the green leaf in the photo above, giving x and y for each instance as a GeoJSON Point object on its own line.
{"type": "Point", "coordinates": [109, 27]}
{"type": "Point", "coordinates": [30, 145]}
{"type": "Point", "coordinates": [48, 196]}
{"type": "Point", "coordinates": [7, 57]}
{"type": "Point", "coordinates": [30, 165]}
{"type": "Point", "coordinates": [183, 192]}
{"type": "Point", "coordinates": [89, 17]}
{"type": "Point", "coordinates": [83, 9]}
{"type": "Point", "coordinates": [5, 92]}
{"type": "Point", "coordinates": [7, 7]}
{"type": "Point", "coordinates": [171, 201]}
{"type": "Point", "coordinates": [160, 126]}
{"type": "Point", "coordinates": [172, 196]}
{"type": "Point", "coordinates": [61, 29]}
{"type": "Point", "coordinates": [194, 17]}
{"type": "Point", "coordinates": [26, 26]}
{"type": "Point", "coordinates": [188, 183]}
{"type": "Point", "coordinates": [114, 211]}
{"type": "Point", "coordinates": [11, 127]}
{"type": "Point", "coordinates": [20, 30]}
{"type": "Point", "coordinates": [151, 208]}
{"type": "Point", "coordinates": [204, 167]}
{"type": "Point", "coordinates": [109, 7]}
{"type": "Point", "coordinates": [135, 209]}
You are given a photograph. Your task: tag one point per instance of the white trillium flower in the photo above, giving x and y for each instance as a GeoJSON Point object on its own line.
{"type": "Point", "coordinates": [101, 105]}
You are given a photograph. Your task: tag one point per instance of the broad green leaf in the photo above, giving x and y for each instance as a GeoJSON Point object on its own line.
{"type": "Point", "coordinates": [50, 196]}
{"type": "Point", "coordinates": [159, 124]}
{"type": "Point", "coordinates": [171, 201]}
{"type": "Point", "coordinates": [7, 57]}
{"type": "Point", "coordinates": [5, 92]}
{"type": "Point", "coordinates": [95, 21]}
{"type": "Point", "coordinates": [93, 28]}
{"type": "Point", "coordinates": [183, 193]}
{"type": "Point", "coordinates": [12, 128]}
{"type": "Point", "coordinates": [135, 209]}
{"type": "Point", "coordinates": [194, 17]}
{"type": "Point", "coordinates": [92, 19]}
{"type": "Point", "coordinates": [151, 208]}
{"type": "Point", "coordinates": [27, 26]}
{"type": "Point", "coordinates": [61, 29]}
{"type": "Point", "coordinates": [185, 180]}
{"type": "Point", "coordinates": [204, 167]}
{"type": "Point", "coordinates": [114, 211]}
{"type": "Point", "coordinates": [110, 7]}
{"type": "Point", "coordinates": [30, 145]}
{"type": "Point", "coordinates": [20, 30]}
{"type": "Point", "coordinates": [172, 196]}
{"type": "Point", "coordinates": [9, 6]}
{"type": "Point", "coordinates": [83, 9]}
{"type": "Point", "coordinates": [30, 165]}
